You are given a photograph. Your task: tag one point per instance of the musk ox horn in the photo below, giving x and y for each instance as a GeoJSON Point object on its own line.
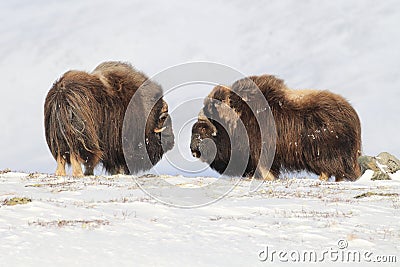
{"type": "Point", "coordinates": [157, 130]}
{"type": "Point", "coordinates": [162, 118]}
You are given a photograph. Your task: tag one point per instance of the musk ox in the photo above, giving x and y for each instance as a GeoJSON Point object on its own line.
{"type": "Point", "coordinates": [84, 114]}
{"type": "Point", "coordinates": [316, 131]}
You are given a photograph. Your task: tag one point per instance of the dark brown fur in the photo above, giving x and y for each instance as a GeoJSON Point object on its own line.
{"type": "Point", "coordinates": [317, 131]}
{"type": "Point", "coordinates": [84, 114]}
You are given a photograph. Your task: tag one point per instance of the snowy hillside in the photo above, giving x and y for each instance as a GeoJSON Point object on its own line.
{"type": "Point", "coordinates": [349, 47]}
{"type": "Point", "coordinates": [109, 221]}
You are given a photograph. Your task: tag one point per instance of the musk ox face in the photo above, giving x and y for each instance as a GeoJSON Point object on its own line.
{"type": "Point", "coordinates": [147, 131]}
{"type": "Point", "coordinates": [203, 140]}
{"type": "Point", "coordinates": [217, 137]}
{"type": "Point", "coordinates": [207, 132]}
{"type": "Point", "coordinates": [210, 143]}
{"type": "Point", "coordinates": [159, 134]}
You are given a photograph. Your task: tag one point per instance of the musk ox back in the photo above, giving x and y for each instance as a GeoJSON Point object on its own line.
{"type": "Point", "coordinates": [84, 114]}
{"type": "Point", "coordinates": [316, 131]}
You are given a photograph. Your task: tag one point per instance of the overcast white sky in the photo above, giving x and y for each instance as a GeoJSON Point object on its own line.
{"type": "Point", "coordinates": [348, 47]}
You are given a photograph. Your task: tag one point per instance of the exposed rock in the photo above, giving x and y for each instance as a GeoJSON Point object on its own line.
{"type": "Point", "coordinates": [390, 163]}
{"type": "Point", "coordinates": [382, 165]}
{"type": "Point", "coordinates": [5, 171]}
{"type": "Point", "coordinates": [380, 175]}
{"type": "Point", "coordinates": [367, 163]}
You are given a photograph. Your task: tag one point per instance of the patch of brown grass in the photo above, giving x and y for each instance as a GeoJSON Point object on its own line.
{"type": "Point", "coordinates": [71, 223]}
{"type": "Point", "coordinates": [16, 201]}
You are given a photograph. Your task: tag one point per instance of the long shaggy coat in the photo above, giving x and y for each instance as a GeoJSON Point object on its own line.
{"type": "Point", "coordinates": [316, 131]}
{"type": "Point", "coordinates": [84, 114]}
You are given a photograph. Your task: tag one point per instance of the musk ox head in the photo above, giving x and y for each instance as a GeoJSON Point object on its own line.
{"type": "Point", "coordinates": [139, 102]}
{"type": "Point", "coordinates": [159, 128]}
{"type": "Point", "coordinates": [147, 132]}
{"type": "Point", "coordinates": [219, 137]}
{"type": "Point", "coordinates": [142, 103]}
{"type": "Point", "coordinates": [203, 139]}
{"type": "Point", "coordinates": [207, 132]}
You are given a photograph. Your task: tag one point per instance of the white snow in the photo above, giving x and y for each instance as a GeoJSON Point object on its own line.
{"type": "Point", "coordinates": [348, 47]}
{"type": "Point", "coordinates": [109, 221]}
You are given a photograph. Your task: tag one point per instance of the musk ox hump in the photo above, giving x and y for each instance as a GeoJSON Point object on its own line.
{"type": "Point", "coordinates": [120, 76]}
{"type": "Point", "coordinates": [220, 92]}
{"type": "Point", "coordinates": [299, 95]}
{"type": "Point", "coordinates": [265, 83]}
{"type": "Point", "coordinates": [218, 106]}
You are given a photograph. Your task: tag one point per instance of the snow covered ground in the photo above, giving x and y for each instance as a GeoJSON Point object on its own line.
{"type": "Point", "coordinates": [109, 221]}
{"type": "Point", "coordinates": [348, 47]}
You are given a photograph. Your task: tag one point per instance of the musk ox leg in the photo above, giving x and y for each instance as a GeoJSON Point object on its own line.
{"type": "Point", "coordinates": [324, 177]}
{"type": "Point", "coordinates": [123, 170]}
{"type": "Point", "coordinates": [76, 166]}
{"type": "Point", "coordinates": [355, 172]}
{"type": "Point", "coordinates": [268, 176]}
{"type": "Point", "coordinates": [263, 173]}
{"type": "Point", "coordinates": [89, 170]}
{"type": "Point", "coordinates": [90, 164]}
{"type": "Point", "coordinates": [339, 177]}
{"type": "Point", "coordinates": [351, 176]}
{"type": "Point", "coordinates": [351, 172]}
{"type": "Point", "coordinates": [114, 170]}
{"type": "Point", "coordinates": [60, 171]}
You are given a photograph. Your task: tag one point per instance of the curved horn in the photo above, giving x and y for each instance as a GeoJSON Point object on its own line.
{"type": "Point", "coordinates": [164, 108]}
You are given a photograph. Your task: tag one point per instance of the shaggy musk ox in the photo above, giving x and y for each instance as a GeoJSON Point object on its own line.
{"type": "Point", "coordinates": [84, 114]}
{"type": "Point", "coordinates": [316, 131]}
